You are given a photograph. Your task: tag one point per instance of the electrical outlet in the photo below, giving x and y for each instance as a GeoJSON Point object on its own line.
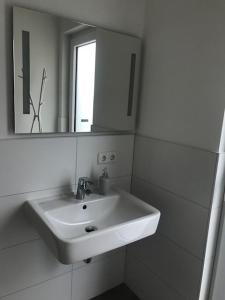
{"type": "Point", "coordinates": [107, 157]}
{"type": "Point", "coordinates": [102, 157]}
{"type": "Point", "coordinates": [112, 157]}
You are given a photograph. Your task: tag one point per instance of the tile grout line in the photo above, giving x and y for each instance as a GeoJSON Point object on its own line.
{"type": "Point", "coordinates": [98, 260]}
{"type": "Point", "coordinates": [161, 281]}
{"type": "Point", "coordinates": [178, 144]}
{"type": "Point", "coordinates": [169, 238]}
{"type": "Point", "coordinates": [66, 187]}
{"type": "Point", "coordinates": [36, 284]}
{"type": "Point", "coordinates": [20, 244]}
{"type": "Point", "coordinates": [76, 161]}
{"type": "Point", "coordinates": [139, 260]}
{"type": "Point", "coordinates": [62, 188]}
{"type": "Point", "coordinates": [170, 192]}
{"type": "Point", "coordinates": [181, 247]}
{"type": "Point", "coordinates": [71, 282]}
{"type": "Point", "coordinates": [72, 135]}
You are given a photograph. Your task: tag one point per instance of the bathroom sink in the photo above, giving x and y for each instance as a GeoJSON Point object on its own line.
{"type": "Point", "coordinates": [76, 230]}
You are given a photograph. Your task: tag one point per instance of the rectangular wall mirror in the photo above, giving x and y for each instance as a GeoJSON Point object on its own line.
{"type": "Point", "coordinates": [72, 77]}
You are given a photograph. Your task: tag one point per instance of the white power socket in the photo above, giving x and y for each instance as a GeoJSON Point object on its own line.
{"type": "Point", "coordinates": [107, 157]}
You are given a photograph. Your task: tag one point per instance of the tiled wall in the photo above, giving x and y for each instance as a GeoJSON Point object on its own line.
{"type": "Point", "coordinates": [179, 181]}
{"type": "Point", "coordinates": [38, 167]}
{"type": "Point", "coordinates": [179, 164]}
{"type": "Point", "coordinates": [182, 96]}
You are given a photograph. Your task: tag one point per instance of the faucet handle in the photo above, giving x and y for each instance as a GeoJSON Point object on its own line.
{"type": "Point", "coordinates": [83, 182]}
{"type": "Point", "coordinates": [82, 187]}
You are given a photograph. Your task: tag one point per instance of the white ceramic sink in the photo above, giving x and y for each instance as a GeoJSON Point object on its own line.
{"type": "Point", "coordinates": [117, 219]}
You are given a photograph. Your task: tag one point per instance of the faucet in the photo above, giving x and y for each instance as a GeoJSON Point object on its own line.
{"type": "Point", "coordinates": [82, 188]}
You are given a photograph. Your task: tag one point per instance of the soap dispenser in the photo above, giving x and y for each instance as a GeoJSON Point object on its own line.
{"type": "Point", "coordinates": [103, 182]}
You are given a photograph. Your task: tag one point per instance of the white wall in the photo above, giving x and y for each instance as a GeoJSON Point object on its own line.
{"type": "Point", "coordinates": [183, 96]}
{"type": "Point", "coordinates": [33, 167]}
{"type": "Point", "coordinates": [176, 164]}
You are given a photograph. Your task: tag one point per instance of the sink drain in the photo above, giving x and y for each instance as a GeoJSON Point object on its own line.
{"type": "Point", "coordinates": [90, 228]}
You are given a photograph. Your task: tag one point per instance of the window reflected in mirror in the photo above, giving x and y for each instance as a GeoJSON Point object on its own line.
{"type": "Point", "coordinates": [84, 84]}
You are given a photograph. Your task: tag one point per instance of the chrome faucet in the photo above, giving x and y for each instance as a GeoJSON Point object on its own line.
{"type": "Point", "coordinates": [82, 188]}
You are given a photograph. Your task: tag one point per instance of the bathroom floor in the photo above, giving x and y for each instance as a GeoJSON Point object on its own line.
{"type": "Point", "coordinates": [120, 292]}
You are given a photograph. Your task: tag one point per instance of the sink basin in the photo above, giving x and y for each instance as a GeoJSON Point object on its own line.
{"type": "Point", "coordinates": [76, 230]}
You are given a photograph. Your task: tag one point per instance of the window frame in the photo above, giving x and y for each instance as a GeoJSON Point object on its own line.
{"type": "Point", "coordinates": [82, 38]}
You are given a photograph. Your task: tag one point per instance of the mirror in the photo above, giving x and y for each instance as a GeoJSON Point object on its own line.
{"type": "Point", "coordinates": [72, 77]}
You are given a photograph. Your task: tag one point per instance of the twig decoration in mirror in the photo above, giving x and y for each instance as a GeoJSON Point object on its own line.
{"type": "Point", "coordinates": [37, 116]}
{"type": "Point", "coordinates": [37, 113]}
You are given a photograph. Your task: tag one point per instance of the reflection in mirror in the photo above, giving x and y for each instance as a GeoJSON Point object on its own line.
{"type": "Point", "coordinates": [85, 78]}
{"type": "Point", "coordinates": [72, 77]}
{"type": "Point", "coordinates": [83, 81]}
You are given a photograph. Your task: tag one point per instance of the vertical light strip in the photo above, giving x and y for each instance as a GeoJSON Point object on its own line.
{"type": "Point", "coordinates": [26, 71]}
{"type": "Point", "coordinates": [131, 85]}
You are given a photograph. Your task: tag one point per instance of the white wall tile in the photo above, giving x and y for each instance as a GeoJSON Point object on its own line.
{"type": "Point", "coordinates": [182, 221]}
{"type": "Point", "coordinates": [96, 278]}
{"type": "Point", "coordinates": [87, 152]}
{"type": "Point", "coordinates": [119, 253]}
{"type": "Point", "coordinates": [173, 265]}
{"type": "Point", "coordinates": [183, 170]}
{"type": "Point", "coordinates": [27, 264]}
{"type": "Point", "coordinates": [122, 182]}
{"type": "Point", "coordinates": [58, 288]}
{"type": "Point", "coordinates": [183, 80]}
{"type": "Point", "coordinates": [145, 284]}
{"type": "Point", "coordinates": [14, 226]}
{"type": "Point", "coordinates": [36, 164]}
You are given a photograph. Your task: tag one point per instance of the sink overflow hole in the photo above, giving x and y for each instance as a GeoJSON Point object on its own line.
{"type": "Point", "coordinates": [90, 228]}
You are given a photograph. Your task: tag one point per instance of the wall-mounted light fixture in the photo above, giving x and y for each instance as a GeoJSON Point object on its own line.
{"type": "Point", "coordinates": [26, 71]}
